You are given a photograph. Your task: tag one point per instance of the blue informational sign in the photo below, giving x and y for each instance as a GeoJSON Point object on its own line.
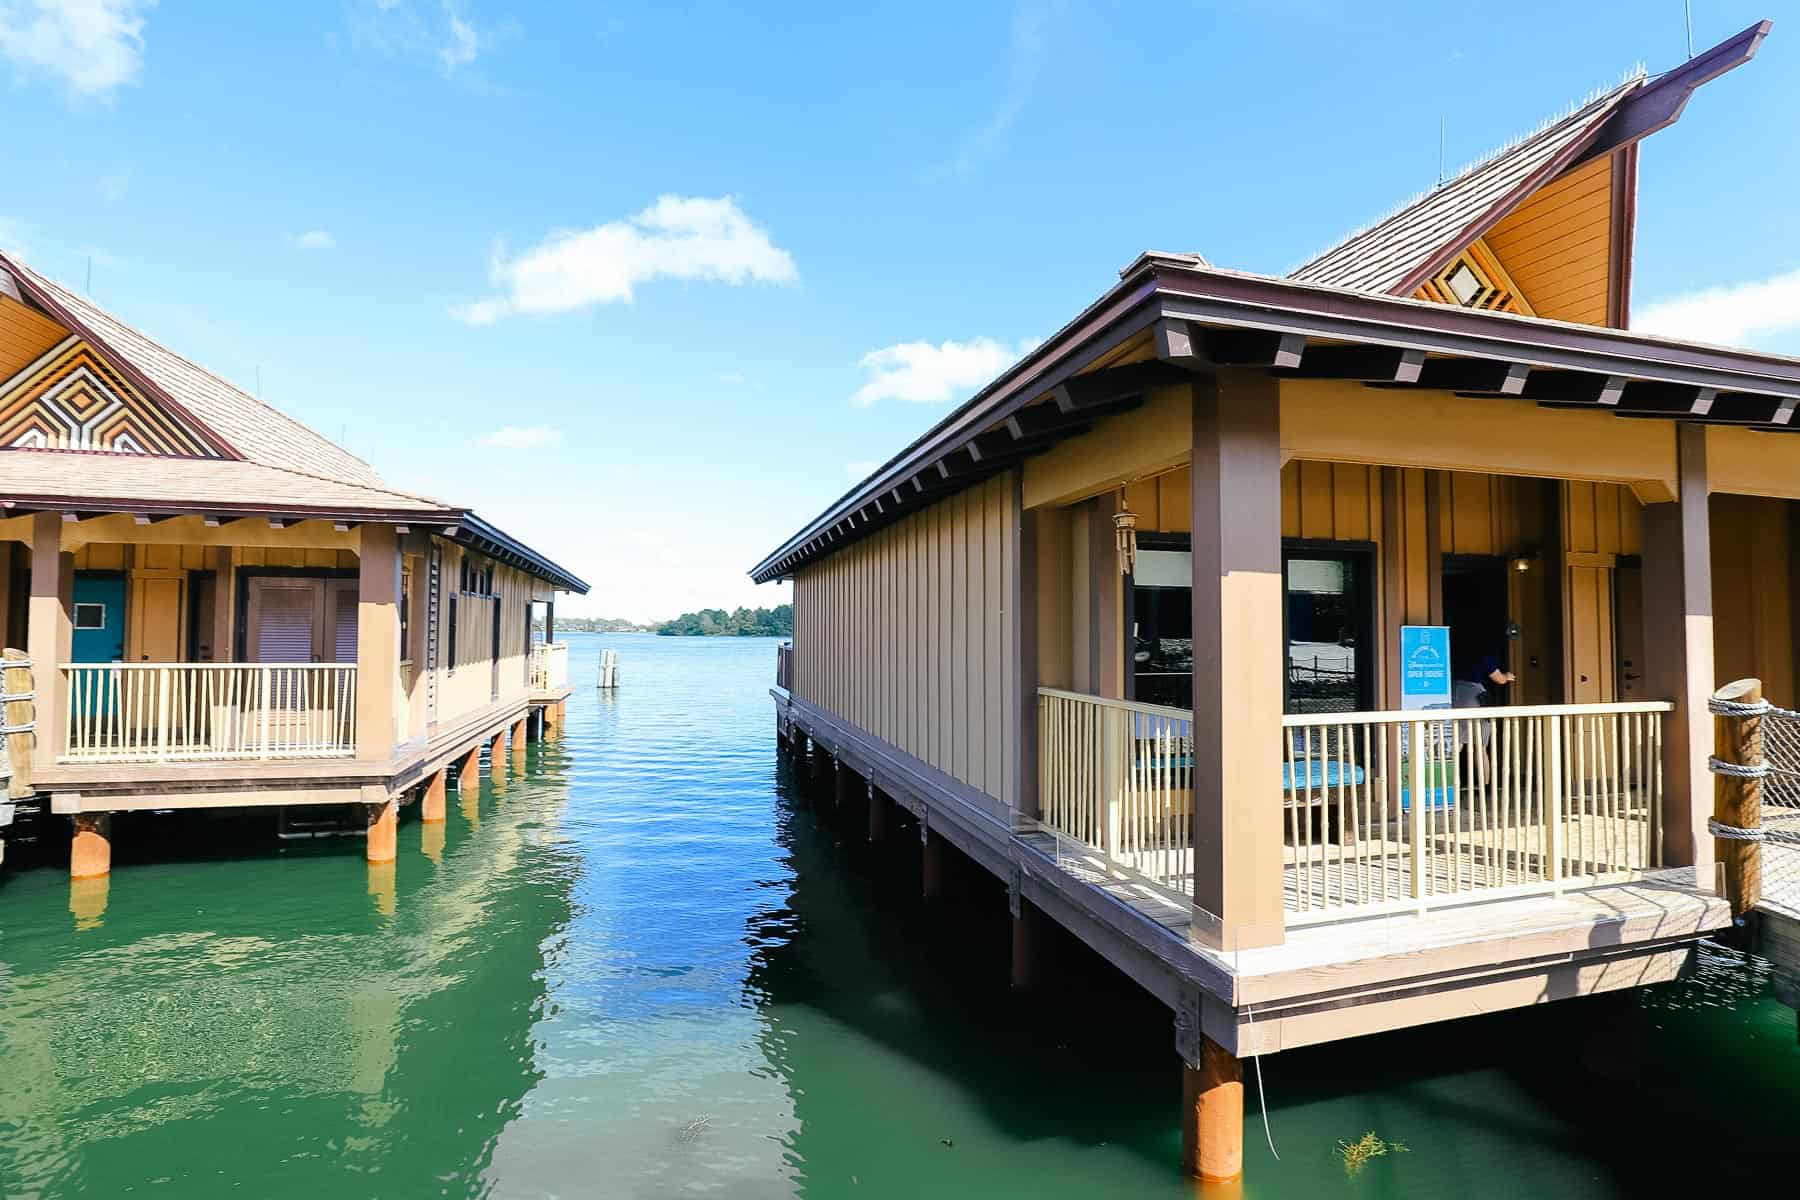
{"type": "Point", "coordinates": [1424, 666]}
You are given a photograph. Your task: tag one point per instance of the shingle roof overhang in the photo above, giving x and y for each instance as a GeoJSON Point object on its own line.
{"type": "Point", "coordinates": [1244, 320]}
{"type": "Point", "coordinates": [458, 524]}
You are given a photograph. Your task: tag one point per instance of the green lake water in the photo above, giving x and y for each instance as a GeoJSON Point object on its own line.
{"type": "Point", "coordinates": [648, 967]}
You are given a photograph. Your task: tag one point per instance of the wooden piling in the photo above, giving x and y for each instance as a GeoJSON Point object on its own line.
{"type": "Point", "coordinates": [497, 755]}
{"type": "Point", "coordinates": [1024, 945]}
{"type": "Point", "coordinates": [1212, 1114]}
{"type": "Point", "coordinates": [1737, 799]}
{"type": "Point", "coordinates": [468, 772]}
{"type": "Point", "coordinates": [878, 814]}
{"type": "Point", "coordinates": [384, 831]}
{"type": "Point", "coordinates": [518, 744]}
{"type": "Point", "coordinates": [931, 883]}
{"type": "Point", "coordinates": [90, 850]}
{"type": "Point", "coordinates": [431, 804]}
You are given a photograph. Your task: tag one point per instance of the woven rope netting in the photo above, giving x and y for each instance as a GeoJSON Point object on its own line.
{"type": "Point", "coordinates": [1780, 775]}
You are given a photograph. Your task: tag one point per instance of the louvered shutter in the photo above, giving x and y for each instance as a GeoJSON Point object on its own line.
{"type": "Point", "coordinates": [344, 631]}
{"type": "Point", "coordinates": [284, 630]}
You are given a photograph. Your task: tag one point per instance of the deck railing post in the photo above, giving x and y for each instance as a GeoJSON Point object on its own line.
{"type": "Point", "coordinates": [162, 713]}
{"type": "Point", "coordinates": [1115, 724]}
{"type": "Point", "coordinates": [1554, 828]}
{"type": "Point", "coordinates": [1419, 798]}
{"type": "Point", "coordinates": [262, 748]}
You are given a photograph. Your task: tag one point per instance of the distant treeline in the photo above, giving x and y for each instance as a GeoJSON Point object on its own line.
{"type": "Point", "coordinates": [739, 622]}
{"type": "Point", "coordinates": [596, 625]}
{"type": "Point", "coordinates": [708, 622]}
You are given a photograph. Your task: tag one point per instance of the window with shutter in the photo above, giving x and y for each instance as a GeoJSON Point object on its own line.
{"type": "Point", "coordinates": [284, 630]}
{"type": "Point", "coordinates": [344, 628]}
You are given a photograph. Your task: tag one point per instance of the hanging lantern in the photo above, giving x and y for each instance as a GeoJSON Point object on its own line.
{"type": "Point", "coordinates": [1125, 531]}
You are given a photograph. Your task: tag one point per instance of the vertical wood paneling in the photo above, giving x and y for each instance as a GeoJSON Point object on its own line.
{"type": "Point", "coordinates": [905, 633]}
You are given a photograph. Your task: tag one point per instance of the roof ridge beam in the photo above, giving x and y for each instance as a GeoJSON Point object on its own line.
{"type": "Point", "coordinates": [1658, 104]}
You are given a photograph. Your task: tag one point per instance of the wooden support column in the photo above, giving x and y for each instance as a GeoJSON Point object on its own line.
{"type": "Point", "coordinates": [468, 771]}
{"type": "Point", "coordinates": [377, 640]}
{"type": "Point", "coordinates": [1238, 660]}
{"type": "Point", "coordinates": [1212, 1114]}
{"type": "Point", "coordinates": [48, 633]}
{"type": "Point", "coordinates": [518, 743]}
{"type": "Point", "coordinates": [497, 755]}
{"type": "Point", "coordinates": [431, 804]}
{"type": "Point", "coordinates": [384, 831]}
{"type": "Point", "coordinates": [1737, 800]}
{"type": "Point", "coordinates": [1678, 619]}
{"type": "Point", "coordinates": [90, 851]}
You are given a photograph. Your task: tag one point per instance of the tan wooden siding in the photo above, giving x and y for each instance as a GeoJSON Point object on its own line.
{"type": "Point", "coordinates": [25, 335]}
{"type": "Point", "coordinates": [1753, 593]}
{"type": "Point", "coordinates": [907, 634]}
{"type": "Point", "coordinates": [468, 685]}
{"type": "Point", "coordinates": [1601, 518]}
{"type": "Point", "coordinates": [1557, 245]}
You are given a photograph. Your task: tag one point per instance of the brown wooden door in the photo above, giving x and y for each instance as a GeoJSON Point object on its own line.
{"type": "Point", "coordinates": [157, 617]}
{"type": "Point", "coordinates": [1589, 634]}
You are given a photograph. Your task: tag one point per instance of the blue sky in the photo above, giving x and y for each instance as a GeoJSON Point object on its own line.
{"type": "Point", "coordinates": [647, 285]}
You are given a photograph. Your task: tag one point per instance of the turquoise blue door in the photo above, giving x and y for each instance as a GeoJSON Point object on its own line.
{"type": "Point", "coordinates": [99, 614]}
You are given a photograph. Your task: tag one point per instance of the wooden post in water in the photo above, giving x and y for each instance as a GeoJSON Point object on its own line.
{"type": "Point", "coordinates": [431, 804]}
{"type": "Point", "coordinates": [1737, 799]}
{"type": "Point", "coordinates": [468, 772]}
{"type": "Point", "coordinates": [878, 813]}
{"type": "Point", "coordinates": [931, 882]}
{"type": "Point", "coordinates": [518, 744]}
{"type": "Point", "coordinates": [1212, 1113]}
{"type": "Point", "coordinates": [90, 852]}
{"type": "Point", "coordinates": [384, 831]}
{"type": "Point", "coordinates": [497, 755]}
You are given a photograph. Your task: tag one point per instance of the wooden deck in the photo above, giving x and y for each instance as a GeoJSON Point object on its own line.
{"type": "Point", "coordinates": [1325, 981]}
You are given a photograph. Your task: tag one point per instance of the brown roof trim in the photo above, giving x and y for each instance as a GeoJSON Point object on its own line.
{"type": "Point", "coordinates": [1158, 288]}
{"type": "Point", "coordinates": [1659, 103]}
{"type": "Point", "coordinates": [120, 362]}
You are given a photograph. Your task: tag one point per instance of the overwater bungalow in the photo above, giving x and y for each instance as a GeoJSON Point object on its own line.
{"type": "Point", "coordinates": [210, 605]}
{"type": "Point", "coordinates": [1170, 626]}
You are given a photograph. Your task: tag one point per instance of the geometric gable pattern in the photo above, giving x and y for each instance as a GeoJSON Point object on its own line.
{"type": "Point", "coordinates": [70, 399]}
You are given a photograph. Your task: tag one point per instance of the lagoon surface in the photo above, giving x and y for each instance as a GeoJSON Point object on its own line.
{"type": "Point", "coordinates": [647, 967]}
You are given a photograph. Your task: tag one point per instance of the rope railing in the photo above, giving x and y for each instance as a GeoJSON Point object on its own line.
{"type": "Point", "coordinates": [1756, 811]}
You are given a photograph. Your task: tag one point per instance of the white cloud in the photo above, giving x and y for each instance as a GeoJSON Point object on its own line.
{"type": "Point", "coordinates": [739, 379]}
{"type": "Point", "coordinates": [114, 185]}
{"type": "Point", "coordinates": [420, 31]}
{"type": "Point", "coordinates": [678, 237]}
{"type": "Point", "coordinates": [861, 468]}
{"type": "Point", "coordinates": [521, 437]}
{"type": "Point", "coordinates": [1734, 315]}
{"type": "Point", "coordinates": [921, 373]}
{"type": "Point", "coordinates": [1025, 59]}
{"type": "Point", "coordinates": [312, 239]}
{"type": "Point", "coordinates": [92, 46]}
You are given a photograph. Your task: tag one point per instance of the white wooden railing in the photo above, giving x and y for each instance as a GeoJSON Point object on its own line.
{"type": "Point", "coordinates": [549, 666]}
{"type": "Point", "coordinates": [192, 712]}
{"type": "Point", "coordinates": [1514, 800]}
{"type": "Point", "coordinates": [1118, 777]}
